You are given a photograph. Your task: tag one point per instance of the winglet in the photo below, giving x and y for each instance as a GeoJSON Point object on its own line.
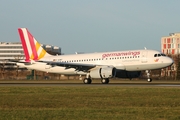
{"type": "Point", "coordinates": [32, 48]}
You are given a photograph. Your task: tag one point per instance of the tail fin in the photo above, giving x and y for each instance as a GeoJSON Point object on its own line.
{"type": "Point", "coordinates": [32, 48]}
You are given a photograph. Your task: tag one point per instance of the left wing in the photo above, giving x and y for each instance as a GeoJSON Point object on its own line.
{"type": "Point", "coordinates": [67, 65]}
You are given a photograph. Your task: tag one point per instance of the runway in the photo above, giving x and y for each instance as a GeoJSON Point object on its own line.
{"type": "Point", "coordinates": [120, 83]}
{"type": "Point", "coordinates": [90, 85]}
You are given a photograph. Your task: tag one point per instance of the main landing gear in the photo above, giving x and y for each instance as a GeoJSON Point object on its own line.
{"type": "Point", "coordinates": [88, 80]}
{"type": "Point", "coordinates": [105, 81]}
{"type": "Point", "coordinates": [148, 76]}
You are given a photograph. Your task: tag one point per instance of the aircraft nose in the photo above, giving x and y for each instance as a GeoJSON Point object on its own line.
{"type": "Point", "coordinates": [170, 61]}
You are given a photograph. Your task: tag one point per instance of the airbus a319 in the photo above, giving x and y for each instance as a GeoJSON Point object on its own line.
{"type": "Point", "coordinates": [102, 65]}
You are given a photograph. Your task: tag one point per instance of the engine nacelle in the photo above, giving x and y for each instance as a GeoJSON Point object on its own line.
{"type": "Point", "coordinates": [103, 72]}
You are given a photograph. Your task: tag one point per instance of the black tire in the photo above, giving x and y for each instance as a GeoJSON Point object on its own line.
{"type": "Point", "coordinates": [149, 79]}
{"type": "Point", "coordinates": [105, 81]}
{"type": "Point", "coordinates": [87, 81]}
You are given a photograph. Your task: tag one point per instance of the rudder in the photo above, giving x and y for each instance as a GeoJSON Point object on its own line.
{"type": "Point", "coordinates": [32, 48]}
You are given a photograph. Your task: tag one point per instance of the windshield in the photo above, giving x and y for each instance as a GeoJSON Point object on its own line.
{"type": "Point", "coordinates": [159, 54]}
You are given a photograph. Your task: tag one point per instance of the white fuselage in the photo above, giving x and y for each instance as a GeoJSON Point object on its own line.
{"type": "Point", "coordinates": [133, 60]}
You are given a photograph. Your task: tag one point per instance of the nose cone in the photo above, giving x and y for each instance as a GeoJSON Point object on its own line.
{"type": "Point", "coordinates": [169, 61]}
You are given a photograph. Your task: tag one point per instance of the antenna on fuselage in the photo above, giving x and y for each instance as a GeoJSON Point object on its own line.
{"type": "Point", "coordinates": [145, 48]}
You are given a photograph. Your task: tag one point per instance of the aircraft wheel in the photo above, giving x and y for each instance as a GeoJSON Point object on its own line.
{"type": "Point", "coordinates": [105, 81]}
{"type": "Point", "coordinates": [87, 81]}
{"type": "Point", "coordinates": [149, 80]}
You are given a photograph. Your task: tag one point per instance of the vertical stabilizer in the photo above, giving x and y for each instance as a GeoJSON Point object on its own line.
{"type": "Point", "coordinates": [32, 49]}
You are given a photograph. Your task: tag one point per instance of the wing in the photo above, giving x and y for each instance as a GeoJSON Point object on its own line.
{"type": "Point", "coordinates": [7, 63]}
{"type": "Point", "coordinates": [85, 67]}
{"type": "Point", "coordinates": [67, 65]}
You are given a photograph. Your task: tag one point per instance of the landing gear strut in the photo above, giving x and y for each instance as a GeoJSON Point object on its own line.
{"type": "Point", "coordinates": [148, 76]}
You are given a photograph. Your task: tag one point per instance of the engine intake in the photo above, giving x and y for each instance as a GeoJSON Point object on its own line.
{"type": "Point", "coordinates": [103, 72]}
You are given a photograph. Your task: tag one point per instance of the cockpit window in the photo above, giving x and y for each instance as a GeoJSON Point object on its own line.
{"type": "Point", "coordinates": [163, 54]}
{"type": "Point", "coordinates": [158, 55]}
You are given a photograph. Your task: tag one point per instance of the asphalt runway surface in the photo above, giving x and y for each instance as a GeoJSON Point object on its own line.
{"type": "Point", "coordinates": [125, 83]}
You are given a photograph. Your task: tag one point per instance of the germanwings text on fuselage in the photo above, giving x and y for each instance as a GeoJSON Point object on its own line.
{"type": "Point", "coordinates": [121, 54]}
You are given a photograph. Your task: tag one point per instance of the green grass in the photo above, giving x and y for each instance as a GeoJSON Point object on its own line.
{"type": "Point", "coordinates": [87, 103]}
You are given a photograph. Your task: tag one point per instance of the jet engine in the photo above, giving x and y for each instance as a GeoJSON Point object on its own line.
{"type": "Point", "coordinates": [103, 72]}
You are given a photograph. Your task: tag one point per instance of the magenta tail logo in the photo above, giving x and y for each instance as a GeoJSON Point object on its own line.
{"type": "Point", "coordinates": [32, 49]}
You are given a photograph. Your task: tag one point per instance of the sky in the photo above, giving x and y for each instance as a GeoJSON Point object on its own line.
{"type": "Point", "coordinates": [91, 25]}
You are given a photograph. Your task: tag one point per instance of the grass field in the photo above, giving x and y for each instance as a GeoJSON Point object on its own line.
{"type": "Point", "coordinates": [85, 103]}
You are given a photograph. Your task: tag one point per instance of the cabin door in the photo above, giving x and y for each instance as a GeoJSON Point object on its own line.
{"type": "Point", "coordinates": [144, 56]}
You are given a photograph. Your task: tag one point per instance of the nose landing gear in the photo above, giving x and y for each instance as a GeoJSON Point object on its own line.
{"type": "Point", "coordinates": [148, 76]}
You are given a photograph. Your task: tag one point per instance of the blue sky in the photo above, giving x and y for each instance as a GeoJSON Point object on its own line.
{"type": "Point", "coordinates": [91, 25]}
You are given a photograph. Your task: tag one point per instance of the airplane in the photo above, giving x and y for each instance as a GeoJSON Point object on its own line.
{"type": "Point", "coordinates": [102, 65]}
